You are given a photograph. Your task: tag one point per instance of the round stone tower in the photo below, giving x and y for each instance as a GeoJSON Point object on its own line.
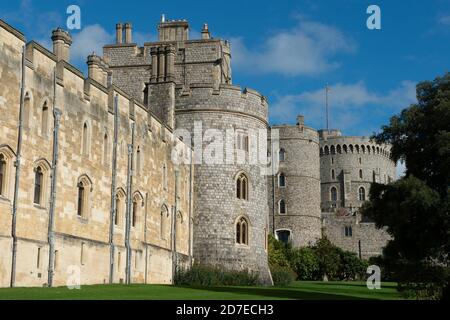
{"type": "Point", "coordinates": [294, 190]}
{"type": "Point", "coordinates": [231, 211]}
{"type": "Point", "coordinates": [348, 167]}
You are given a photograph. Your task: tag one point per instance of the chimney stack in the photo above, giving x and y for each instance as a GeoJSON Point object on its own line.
{"type": "Point", "coordinates": [128, 35]}
{"type": "Point", "coordinates": [119, 33]}
{"type": "Point", "coordinates": [205, 32]}
{"type": "Point", "coordinates": [300, 120]}
{"type": "Point", "coordinates": [61, 44]}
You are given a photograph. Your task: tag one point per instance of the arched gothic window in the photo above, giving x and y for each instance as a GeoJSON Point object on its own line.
{"type": "Point", "coordinates": [362, 194]}
{"type": "Point", "coordinates": [242, 231]}
{"type": "Point", "coordinates": [85, 140]}
{"type": "Point", "coordinates": [27, 110]}
{"type": "Point", "coordinates": [333, 194]}
{"type": "Point", "coordinates": [105, 149]}
{"type": "Point", "coordinates": [2, 175]}
{"type": "Point", "coordinates": [137, 203]}
{"type": "Point", "coordinates": [120, 201]}
{"type": "Point", "coordinates": [242, 187]}
{"type": "Point", "coordinates": [282, 207]}
{"type": "Point", "coordinates": [282, 180]}
{"type": "Point", "coordinates": [44, 120]}
{"type": "Point", "coordinates": [38, 185]}
{"type": "Point", "coordinates": [84, 190]}
{"type": "Point", "coordinates": [282, 155]}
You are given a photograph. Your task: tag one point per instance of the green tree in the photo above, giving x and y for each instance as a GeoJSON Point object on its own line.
{"type": "Point", "coordinates": [328, 258]}
{"type": "Point", "coordinates": [352, 267]}
{"type": "Point", "coordinates": [305, 263]}
{"type": "Point", "coordinates": [277, 253]}
{"type": "Point", "coordinates": [415, 209]}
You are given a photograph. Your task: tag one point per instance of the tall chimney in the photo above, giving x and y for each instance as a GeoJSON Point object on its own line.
{"type": "Point", "coordinates": [119, 33]}
{"type": "Point", "coordinates": [128, 36]}
{"type": "Point", "coordinates": [205, 32]}
{"type": "Point", "coordinates": [61, 44]}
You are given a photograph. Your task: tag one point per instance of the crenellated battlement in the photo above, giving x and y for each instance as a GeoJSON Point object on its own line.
{"type": "Point", "coordinates": [353, 145]}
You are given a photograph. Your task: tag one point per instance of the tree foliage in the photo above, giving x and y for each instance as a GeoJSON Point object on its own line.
{"type": "Point", "coordinates": [415, 209]}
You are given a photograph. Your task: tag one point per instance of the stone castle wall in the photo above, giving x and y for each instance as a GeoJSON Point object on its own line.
{"type": "Point", "coordinates": [83, 241]}
{"type": "Point", "coordinates": [302, 191]}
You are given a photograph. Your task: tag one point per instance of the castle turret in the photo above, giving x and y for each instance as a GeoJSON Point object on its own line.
{"type": "Point", "coordinates": [97, 69]}
{"type": "Point", "coordinates": [61, 44]}
{"type": "Point", "coordinates": [348, 167]}
{"type": "Point", "coordinates": [292, 218]}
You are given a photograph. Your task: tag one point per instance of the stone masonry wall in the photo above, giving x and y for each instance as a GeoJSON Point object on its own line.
{"type": "Point", "coordinates": [83, 241]}
{"type": "Point", "coordinates": [301, 194]}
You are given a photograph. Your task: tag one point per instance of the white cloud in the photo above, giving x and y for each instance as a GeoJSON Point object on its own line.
{"type": "Point", "coordinates": [307, 49]}
{"type": "Point", "coordinates": [90, 39]}
{"type": "Point", "coordinates": [445, 20]}
{"type": "Point", "coordinates": [350, 104]}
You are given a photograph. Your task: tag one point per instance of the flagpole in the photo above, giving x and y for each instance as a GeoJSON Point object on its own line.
{"type": "Point", "coordinates": [326, 106]}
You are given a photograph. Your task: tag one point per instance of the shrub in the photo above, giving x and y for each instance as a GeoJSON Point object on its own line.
{"type": "Point", "coordinates": [305, 263]}
{"type": "Point", "coordinates": [351, 267]}
{"type": "Point", "coordinates": [282, 276]}
{"type": "Point", "coordinates": [278, 253]}
{"type": "Point", "coordinates": [328, 257]}
{"type": "Point", "coordinates": [210, 276]}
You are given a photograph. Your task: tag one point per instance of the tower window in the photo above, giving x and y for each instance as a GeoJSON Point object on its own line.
{"type": "Point", "coordinates": [105, 149]}
{"type": "Point", "coordinates": [362, 194]}
{"type": "Point", "coordinates": [134, 213]}
{"type": "Point", "coordinates": [333, 175]}
{"type": "Point", "coordinates": [348, 231]}
{"type": "Point", "coordinates": [360, 174]}
{"type": "Point", "coordinates": [2, 175]}
{"type": "Point", "coordinates": [138, 160]}
{"type": "Point", "coordinates": [85, 140]}
{"type": "Point", "coordinates": [281, 180]}
{"type": "Point", "coordinates": [242, 142]}
{"type": "Point", "coordinates": [120, 196]}
{"type": "Point", "coordinates": [282, 155]}
{"type": "Point", "coordinates": [38, 181]}
{"type": "Point", "coordinates": [81, 192]}
{"type": "Point", "coordinates": [242, 231]}
{"type": "Point", "coordinates": [333, 196]}
{"type": "Point", "coordinates": [242, 187]}
{"type": "Point", "coordinates": [44, 121]}
{"type": "Point", "coordinates": [284, 236]}
{"type": "Point", "coordinates": [282, 207]}
{"type": "Point", "coordinates": [84, 189]}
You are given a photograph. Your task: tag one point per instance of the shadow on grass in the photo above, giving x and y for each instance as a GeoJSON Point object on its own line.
{"type": "Point", "coordinates": [276, 293]}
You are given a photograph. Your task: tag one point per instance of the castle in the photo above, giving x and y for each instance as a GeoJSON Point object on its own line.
{"type": "Point", "coordinates": [104, 179]}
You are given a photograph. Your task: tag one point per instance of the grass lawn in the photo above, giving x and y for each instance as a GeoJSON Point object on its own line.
{"type": "Point", "coordinates": [307, 290]}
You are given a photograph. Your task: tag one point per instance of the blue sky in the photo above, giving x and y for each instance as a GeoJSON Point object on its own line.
{"type": "Point", "coordinates": [287, 50]}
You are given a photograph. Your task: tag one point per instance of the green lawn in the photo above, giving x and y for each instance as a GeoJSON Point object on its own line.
{"type": "Point", "coordinates": [299, 290]}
